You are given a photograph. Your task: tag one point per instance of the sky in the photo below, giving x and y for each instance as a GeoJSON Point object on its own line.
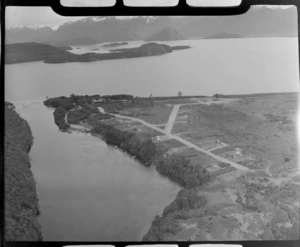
{"type": "Point", "coordinates": [39, 16]}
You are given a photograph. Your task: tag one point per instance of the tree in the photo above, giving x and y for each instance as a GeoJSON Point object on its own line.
{"type": "Point", "coordinates": [171, 208]}
{"type": "Point", "coordinates": [191, 181]}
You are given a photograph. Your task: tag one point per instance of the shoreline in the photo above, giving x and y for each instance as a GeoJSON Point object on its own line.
{"type": "Point", "coordinates": [185, 192]}
{"type": "Point", "coordinates": [100, 137]}
{"type": "Point", "coordinates": [22, 207]}
{"type": "Point", "coordinates": [201, 206]}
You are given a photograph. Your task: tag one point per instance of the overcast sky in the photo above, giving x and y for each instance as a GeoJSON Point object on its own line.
{"type": "Point", "coordinates": [37, 16]}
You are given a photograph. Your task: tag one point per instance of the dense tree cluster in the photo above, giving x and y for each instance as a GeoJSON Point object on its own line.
{"type": "Point", "coordinates": [83, 106]}
{"type": "Point", "coordinates": [140, 146]}
{"type": "Point", "coordinates": [186, 199]}
{"type": "Point", "coordinates": [64, 104]}
{"type": "Point", "coordinates": [118, 97]}
{"type": "Point", "coordinates": [77, 115]}
{"type": "Point", "coordinates": [167, 224]}
{"type": "Point", "coordinates": [59, 118]}
{"type": "Point", "coordinates": [21, 202]}
{"type": "Point", "coordinates": [62, 101]}
{"type": "Point", "coordinates": [161, 227]}
{"type": "Point", "coordinates": [69, 102]}
{"type": "Point", "coordinates": [182, 171]}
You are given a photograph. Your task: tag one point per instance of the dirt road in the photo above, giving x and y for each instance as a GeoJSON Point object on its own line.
{"type": "Point", "coordinates": [73, 126]}
{"type": "Point", "coordinates": [183, 141]}
{"type": "Point", "coordinates": [172, 119]}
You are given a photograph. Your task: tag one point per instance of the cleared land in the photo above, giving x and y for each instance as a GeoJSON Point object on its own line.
{"type": "Point", "coordinates": [257, 132]}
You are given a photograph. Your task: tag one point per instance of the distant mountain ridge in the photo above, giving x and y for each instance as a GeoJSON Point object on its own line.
{"type": "Point", "coordinates": [258, 21]}
{"type": "Point", "coordinates": [224, 36]}
{"type": "Point", "coordinates": [166, 34]}
{"type": "Point", "coordinates": [27, 34]}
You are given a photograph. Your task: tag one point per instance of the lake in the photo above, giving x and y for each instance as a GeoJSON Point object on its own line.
{"type": "Point", "coordinates": [90, 191]}
{"type": "Point", "coordinates": [231, 66]}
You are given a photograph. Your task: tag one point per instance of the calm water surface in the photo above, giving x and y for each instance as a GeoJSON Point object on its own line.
{"type": "Point", "coordinates": [231, 66]}
{"type": "Point", "coordinates": [89, 191]}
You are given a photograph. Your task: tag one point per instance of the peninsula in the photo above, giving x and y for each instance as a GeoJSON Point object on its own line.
{"type": "Point", "coordinates": [29, 52]}
{"type": "Point", "coordinates": [237, 166]}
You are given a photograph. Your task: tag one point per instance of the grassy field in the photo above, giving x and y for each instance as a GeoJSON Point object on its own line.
{"type": "Point", "coordinates": [158, 114]}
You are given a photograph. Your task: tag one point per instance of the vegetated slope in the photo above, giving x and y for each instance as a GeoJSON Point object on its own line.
{"type": "Point", "coordinates": [106, 29]}
{"type": "Point", "coordinates": [166, 34]}
{"type": "Point", "coordinates": [27, 34]}
{"type": "Point", "coordinates": [21, 202]}
{"type": "Point", "coordinates": [28, 52]}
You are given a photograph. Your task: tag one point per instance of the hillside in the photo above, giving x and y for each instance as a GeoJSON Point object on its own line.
{"type": "Point", "coordinates": [166, 34]}
{"type": "Point", "coordinates": [28, 52]}
{"type": "Point", "coordinates": [21, 202]}
{"type": "Point", "coordinates": [27, 34]}
{"type": "Point", "coordinates": [258, 21]}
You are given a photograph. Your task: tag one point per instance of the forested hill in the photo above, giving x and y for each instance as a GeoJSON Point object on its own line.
{"type": "Point", "coordinates": [29, 52]}
{"type": "Point", "coordinates": [21, 202]}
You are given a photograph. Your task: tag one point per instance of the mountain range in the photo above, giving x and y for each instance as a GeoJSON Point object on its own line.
{"type": "Point", "coordinates": [258, 21]}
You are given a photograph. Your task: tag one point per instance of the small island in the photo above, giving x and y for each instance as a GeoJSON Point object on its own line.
{"type": "Point", "coordinates": [115, 44]}
{"type": "Point", "coordinates": [28, 52]}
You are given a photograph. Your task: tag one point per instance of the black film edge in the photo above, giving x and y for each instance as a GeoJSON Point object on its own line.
{"type": "Point", "coordinates": [120, 9]}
